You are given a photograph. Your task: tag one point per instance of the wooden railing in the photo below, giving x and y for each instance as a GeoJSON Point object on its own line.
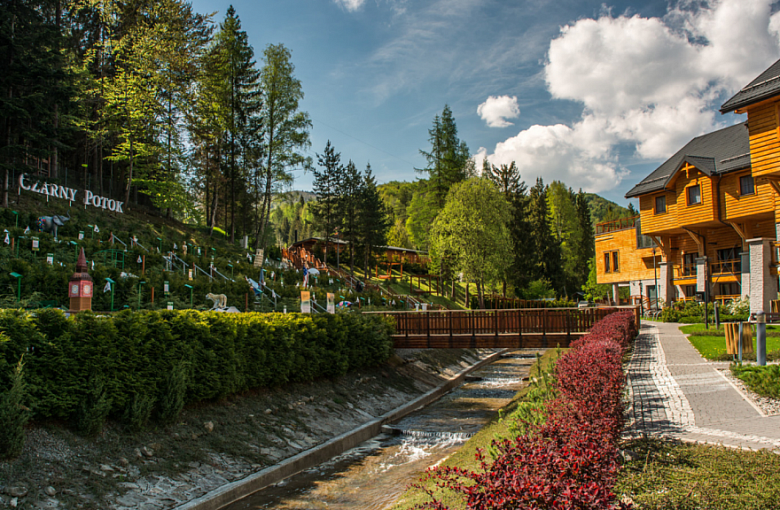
{"type": "Point", "coordinates": [536, 322]}
{"type": "Point", "coordinates": [733, 266]}
{"type": "Point", "coordinates": [615, 225]}
{"type": "Point", "coordinates": [685, 271]}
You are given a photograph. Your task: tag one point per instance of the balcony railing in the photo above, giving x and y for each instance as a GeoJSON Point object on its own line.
{"type": "Point", "coordinates": [722, 267]}
{"type": "Point", "coordinates": [615, 225]}
{"type": "Point", "coordinates": [685, 271]}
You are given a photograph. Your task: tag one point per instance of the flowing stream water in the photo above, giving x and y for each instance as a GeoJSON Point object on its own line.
{"type": "Point", "coordinates": [374, 474]}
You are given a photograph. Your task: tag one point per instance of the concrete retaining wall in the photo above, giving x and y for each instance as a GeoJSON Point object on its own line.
{"type": "Point", "coordinates": [234, 491]}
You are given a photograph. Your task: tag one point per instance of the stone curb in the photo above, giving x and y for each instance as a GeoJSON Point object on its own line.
{"type": "Point", "coordinates": [239, 489]}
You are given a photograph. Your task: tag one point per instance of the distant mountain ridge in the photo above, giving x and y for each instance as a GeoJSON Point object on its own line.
{"type": "Point", "coordinates": [602, 209]}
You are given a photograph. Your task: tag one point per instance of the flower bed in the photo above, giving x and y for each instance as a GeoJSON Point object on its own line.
{"type": "Point", "coordinates": [570, 460]}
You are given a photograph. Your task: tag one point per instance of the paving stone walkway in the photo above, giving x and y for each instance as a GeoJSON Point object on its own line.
{"type": "Point", "coordinates": [675, 393]}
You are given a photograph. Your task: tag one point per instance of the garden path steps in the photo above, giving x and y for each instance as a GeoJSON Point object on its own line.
{"type": "Point", "coordinates": [675, 393]}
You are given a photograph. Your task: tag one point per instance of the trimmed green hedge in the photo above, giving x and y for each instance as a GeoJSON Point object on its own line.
{"type": "Point", "coordinates": [129, 356]}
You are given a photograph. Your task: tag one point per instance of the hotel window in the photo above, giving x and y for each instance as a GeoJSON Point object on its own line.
{"type": "Point", "coordinates": [660, 204]}
{"type": "Point", "coordinates": [746, 185]}
{"type": "Point", "coordinates": [611, 262]}
{"type": "Point", "coordinates": [694, 195]}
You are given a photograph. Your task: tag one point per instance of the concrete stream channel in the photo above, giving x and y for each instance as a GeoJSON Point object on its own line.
{"type": "Point", "coordinates": [369, 468]}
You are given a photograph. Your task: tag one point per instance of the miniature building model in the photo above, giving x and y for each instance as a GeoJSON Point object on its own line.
{"type": "Point", "coordinates": [709, 216]}
{"type": "Point", "coordinates": [80, 286]}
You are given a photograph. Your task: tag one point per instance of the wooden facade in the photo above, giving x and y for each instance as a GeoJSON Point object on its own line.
{"type": "Point", "coordinates": [712, 211]}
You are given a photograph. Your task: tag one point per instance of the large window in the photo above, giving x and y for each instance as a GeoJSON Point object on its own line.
{"type": "Point", "coordinates": [746, 185]}
{"type": "Point", "coordinates": [607, 260]}
{"type": "Point", "coordinates": [660, 204]}
{"type": "Point", "coordinates": [615, 266]}
{"type": "Point", "coordinates": [694, 195]}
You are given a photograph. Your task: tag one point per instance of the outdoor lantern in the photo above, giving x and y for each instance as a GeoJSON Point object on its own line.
{"type": "Point", "coordinates": [80, 286]}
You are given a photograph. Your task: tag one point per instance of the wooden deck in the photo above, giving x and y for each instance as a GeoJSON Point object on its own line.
{"type": "Point", "coordinates": [521, 328]}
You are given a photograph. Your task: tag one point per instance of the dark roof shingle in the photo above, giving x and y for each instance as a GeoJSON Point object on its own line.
{"type": "Point", "coordinates": [763, 87]}
{"type": "Point", "coordinates": [714, 153]}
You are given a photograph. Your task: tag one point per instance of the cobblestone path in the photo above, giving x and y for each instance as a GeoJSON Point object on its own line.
{"type": "Point", "coordinates": [675, 393]}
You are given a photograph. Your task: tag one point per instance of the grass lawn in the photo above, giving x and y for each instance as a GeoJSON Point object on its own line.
{"type": "Point", "coordinates": [711, 343]}
{"type": "Point", "coordinates": [666, 475]}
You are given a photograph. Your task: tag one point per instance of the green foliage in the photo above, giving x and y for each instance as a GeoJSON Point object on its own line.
{"type": "Point", "coordinates": [138, 412]}
{"type": "Point", "coordinates": [592, 289]}
{"type": "Point", "coordinates": [93, 408]}
{"type": "Point", "coordinates": [139, 364]}
{"type": "Point", "coordinates": [602, 209]}
{"type": "Point", "coordinates": [471, 234]}
{"type": "Point", "coordinates": [764, 380]}
{"type": "Point", "coordinates": [13, 413]}
{"type": "Point", "coordinates": [538, 289]}
{"type": "Point", "coordinates": [174, 391]}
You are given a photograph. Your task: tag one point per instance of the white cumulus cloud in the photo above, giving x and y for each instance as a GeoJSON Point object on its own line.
{"type": "Point", "coordinates": [497, 109]}
{"type": "Point", "coordinates": [654, 83]}
{"type": "Point", "coordinates": [350, 5]}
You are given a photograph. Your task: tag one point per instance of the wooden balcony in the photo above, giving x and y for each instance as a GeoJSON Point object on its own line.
{"type": "Point", "coordinates": [723, 267]}
{"type": "Point", "coordinates": [615, 225]}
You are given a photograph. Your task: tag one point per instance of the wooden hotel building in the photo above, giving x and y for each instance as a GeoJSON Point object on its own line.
{"type": "Point", "coordinates": [709, 216]}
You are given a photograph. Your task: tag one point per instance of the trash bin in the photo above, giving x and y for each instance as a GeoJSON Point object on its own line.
{"type": "Point", "coordinates": [732, 337]}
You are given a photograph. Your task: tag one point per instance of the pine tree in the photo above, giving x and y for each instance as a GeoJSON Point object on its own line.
{"type": "Point", "coordinates": [32, 85]}
{"type": "Point", "coordinates": [326, 187]}
{"type": "Point", "coordinates": [373, 219]}
{"type": "Point", "coordinates": [584, 244]}
{"type": "Point", "coordinates": [545, 250]}
{"type": "Point", "coordinates": [350, 192]}
{"type": "Point", "coordinates": [508, 180]}
{"type": "Point", "coordinates": [239, 99]}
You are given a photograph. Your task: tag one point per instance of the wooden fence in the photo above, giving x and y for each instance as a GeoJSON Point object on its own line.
{"type": "Point", "coordinates": [537, 327]}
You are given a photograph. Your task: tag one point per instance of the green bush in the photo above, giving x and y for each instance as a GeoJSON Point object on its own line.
{"type": "Point", "coordinates": [93, 408]}
{"type": "Point", "coordinates": [89, 367]}
{"type": "Point", "coordinates": [138, 412]}
{"type": "Point", "coordinates": [173, 394]}
{"type": "Point", "coordinates": [764, 380]}
{"type": "Point", "coordinates": [13, 416]}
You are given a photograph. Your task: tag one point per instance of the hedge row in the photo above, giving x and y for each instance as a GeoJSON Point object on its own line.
{"type": "Point", "coordinates": [570, 460]}
{"type": "Point", "coordinates": [126, 363]}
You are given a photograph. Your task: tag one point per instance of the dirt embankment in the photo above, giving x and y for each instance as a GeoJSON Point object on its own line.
{"type": "Point", "coordinates": [213, 444]}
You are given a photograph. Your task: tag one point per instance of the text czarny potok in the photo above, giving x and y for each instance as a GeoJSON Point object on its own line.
{"type": "Point", "coordinates": [53, 190]}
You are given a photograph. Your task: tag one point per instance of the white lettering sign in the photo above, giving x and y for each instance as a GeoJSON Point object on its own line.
{"type": "Point", "coordinates": [52, 190]}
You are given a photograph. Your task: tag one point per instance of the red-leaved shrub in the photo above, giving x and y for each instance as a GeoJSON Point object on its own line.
{"type": "Point", "coordinates": [571, 461]}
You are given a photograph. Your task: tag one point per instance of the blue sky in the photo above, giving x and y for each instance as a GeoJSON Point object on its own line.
{"type": "Point", "coordinates": [594, 94]}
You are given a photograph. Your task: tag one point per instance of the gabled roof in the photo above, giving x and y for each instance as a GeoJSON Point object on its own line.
{"type": "Point", "coordinates": [714, 153]}
{"type": "Point", "coordinates": [763, 87]}
{"type": "Point", "coordinates": [706, 165]}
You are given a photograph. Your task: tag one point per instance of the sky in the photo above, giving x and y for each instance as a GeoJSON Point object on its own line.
{"type": "Point", "coordinates": [593, 94]}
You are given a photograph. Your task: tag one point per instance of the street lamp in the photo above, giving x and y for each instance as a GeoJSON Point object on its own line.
{"type": "Point", "coordinates": [92, 229]}
{"type": "Point", "coordinates": [76, 246]}
{"type": "Point", "coordinates": [231, 270]}
{"type": "Point", "coordinates": [189, 287]}
{"type": "Point", "coordinates": [160, 240]}
{"type": "Point", "coordinates": [111, 283]}
{"type": "Point", "coordinates": [18, 286]}
{"type": "Point", "coordinates": [16, 213]}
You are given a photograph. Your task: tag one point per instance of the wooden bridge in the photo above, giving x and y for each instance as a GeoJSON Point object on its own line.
{"type": "Point", "coordinates": [521, 328]}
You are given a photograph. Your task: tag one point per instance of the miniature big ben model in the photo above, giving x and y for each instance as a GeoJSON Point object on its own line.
{"type": "Point", "coordinates": [80, 286]}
